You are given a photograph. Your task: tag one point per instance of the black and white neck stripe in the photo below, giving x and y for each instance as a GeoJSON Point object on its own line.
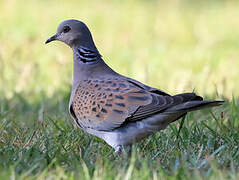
{"type": "Point", "coordinates": [87, 55]}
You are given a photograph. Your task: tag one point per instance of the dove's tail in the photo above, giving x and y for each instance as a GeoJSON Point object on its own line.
{"type": "Point", "coordinates": [192, 103]}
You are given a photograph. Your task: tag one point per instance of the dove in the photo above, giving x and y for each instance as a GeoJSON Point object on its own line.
{"type": "Point", "coordinates": [113, 107]}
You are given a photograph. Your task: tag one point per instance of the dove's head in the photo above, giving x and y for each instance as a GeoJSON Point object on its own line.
{"type": "Point", "coordinates": [74, 33]}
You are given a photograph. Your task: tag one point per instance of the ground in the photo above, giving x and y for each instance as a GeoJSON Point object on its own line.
{"type": "Point", "coordinates": [177, 46]}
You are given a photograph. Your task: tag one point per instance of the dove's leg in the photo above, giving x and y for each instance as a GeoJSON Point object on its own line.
{"type": "Point", "coordinates": [119, 149]}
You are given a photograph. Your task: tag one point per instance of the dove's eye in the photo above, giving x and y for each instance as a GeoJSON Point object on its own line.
{"type": "Point", "coordinates": [66, 29]}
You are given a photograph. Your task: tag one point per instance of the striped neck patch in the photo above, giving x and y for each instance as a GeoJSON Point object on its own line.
{"type": "Point", "coordinates": [87, 55]}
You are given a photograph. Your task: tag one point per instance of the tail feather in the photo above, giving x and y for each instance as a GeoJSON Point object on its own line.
{"type": "Point", "coordinates": [193, 105]}
{"type": "Point", "coordinates": [185, 97]}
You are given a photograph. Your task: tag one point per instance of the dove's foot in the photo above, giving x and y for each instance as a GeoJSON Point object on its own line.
{"type": "Point", "coordinates": [119, 150]}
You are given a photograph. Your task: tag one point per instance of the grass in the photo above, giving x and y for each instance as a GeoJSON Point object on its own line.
{"type": "Point", "coordinates": [177, 46]}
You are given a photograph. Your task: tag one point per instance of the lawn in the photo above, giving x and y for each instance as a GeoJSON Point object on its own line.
{"type": "Point", "coordinates": [176, 45]}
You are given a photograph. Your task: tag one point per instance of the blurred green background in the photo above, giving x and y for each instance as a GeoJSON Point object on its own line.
{"type": "Point", "coordinates": [175, 45]}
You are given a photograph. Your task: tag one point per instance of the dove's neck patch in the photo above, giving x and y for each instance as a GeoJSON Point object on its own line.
{"type": "Point", "coordinates": [87, 55]}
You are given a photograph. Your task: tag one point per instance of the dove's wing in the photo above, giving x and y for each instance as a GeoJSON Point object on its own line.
{"type": "Point", "coordinates": [145, 87]}
{"type": "Point", "coordinates": [108, 103]}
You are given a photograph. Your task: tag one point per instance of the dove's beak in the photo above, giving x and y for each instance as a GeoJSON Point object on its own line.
{"type": "Point", "coordinates": [53, 38]}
